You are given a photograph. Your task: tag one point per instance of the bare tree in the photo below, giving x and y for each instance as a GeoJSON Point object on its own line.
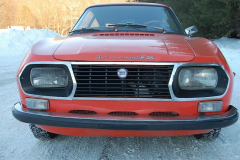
{"type": "Point", "coordinates": [57, 15]}
{"type": "Point", "coordinates": [7, 13]}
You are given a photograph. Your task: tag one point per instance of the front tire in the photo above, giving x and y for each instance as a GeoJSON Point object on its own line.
{"type": "Point", "coordinates": [210, 136]}
{"type": "Point", "coordinates": [40, 133]}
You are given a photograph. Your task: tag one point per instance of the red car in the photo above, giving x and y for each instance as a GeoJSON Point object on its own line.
{"type": "Point", "coordinates": [126, 69]}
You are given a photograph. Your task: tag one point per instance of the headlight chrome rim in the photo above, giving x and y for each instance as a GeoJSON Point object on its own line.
{"type": "Point", "coordinates": [43, 63]}
{"type": "Point", "coordinates": [170, 85]}
{"type": "Point", "coordinates": [173, 83]}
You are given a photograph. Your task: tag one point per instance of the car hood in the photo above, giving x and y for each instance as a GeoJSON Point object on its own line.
{"type": "Point", "coordinates": [131, 47]}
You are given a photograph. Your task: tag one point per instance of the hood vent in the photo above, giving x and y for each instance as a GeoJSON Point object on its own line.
{"type": "Point", "coordinates": [126, 34]}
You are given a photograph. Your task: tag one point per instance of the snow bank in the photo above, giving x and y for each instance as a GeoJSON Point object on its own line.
{"type": "Point", "coordinates": [16, 42]}
{"type": "Point", "coordinates": [4, 31]}
{"type": "Point", "coordinates": [231, 50]}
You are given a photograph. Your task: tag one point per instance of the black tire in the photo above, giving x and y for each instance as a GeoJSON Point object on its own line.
{"type": "Point", "coordinates": [40, 133]}
{"type": "Point", "coordinates": [209, 136]}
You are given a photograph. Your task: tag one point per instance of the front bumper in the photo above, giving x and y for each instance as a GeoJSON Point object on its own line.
{"type": "Point", "coordinates": [200, 122]}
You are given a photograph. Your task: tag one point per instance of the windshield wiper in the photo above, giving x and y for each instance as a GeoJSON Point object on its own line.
{"type": "Point", "coordinates": [128, 25]}
{"type": "Point", "coordinates": [84, 30]}
{"type": "Point", "coordinates": [158, 28]}
{"type": "Point", "coordinates": [136, 26]}
{"type": "Point", "coordinates": [133, 25]}
{"type": "Point", "coordinates": [115, 26]}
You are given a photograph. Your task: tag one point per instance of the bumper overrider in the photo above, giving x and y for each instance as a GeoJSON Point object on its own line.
{"type": "Point", "coordinates": [196, 122]}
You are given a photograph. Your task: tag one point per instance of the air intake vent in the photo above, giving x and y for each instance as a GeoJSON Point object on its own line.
{"type": "Point", "coordinates": [125, 34]}
{"type": "Point", "coordinates": [163, 114]}
{"type": "Point", "coordinates": [83, 112]}
{"type": "Point", "coordinates": [122, 113]}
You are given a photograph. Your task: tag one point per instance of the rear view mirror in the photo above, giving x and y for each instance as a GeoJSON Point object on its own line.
{"type": "Point", "coordinates": [191, 30]}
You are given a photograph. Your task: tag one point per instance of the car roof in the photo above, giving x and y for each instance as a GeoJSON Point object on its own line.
{"type": "Point", "coordinates": [129, 3]}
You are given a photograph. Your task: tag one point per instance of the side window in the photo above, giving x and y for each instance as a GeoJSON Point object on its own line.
{"type": "Point", "coordinates": [87, 20]}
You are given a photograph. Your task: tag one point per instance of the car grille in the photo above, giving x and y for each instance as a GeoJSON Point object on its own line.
{"type": "Point", "coordinates": [141, 81]}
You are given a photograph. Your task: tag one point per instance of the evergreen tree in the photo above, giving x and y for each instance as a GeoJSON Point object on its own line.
{"type": "Point", "coordinates": [213, 18]}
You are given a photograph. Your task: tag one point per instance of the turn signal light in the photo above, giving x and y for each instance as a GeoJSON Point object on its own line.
{"type": "Point", "coordinates": [41, 104]}
{"type": "Point", "coordinates": [210, 106]}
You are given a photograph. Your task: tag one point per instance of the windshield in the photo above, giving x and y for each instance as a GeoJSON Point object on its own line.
{"type": "Point", "coordinates": [108, 18]}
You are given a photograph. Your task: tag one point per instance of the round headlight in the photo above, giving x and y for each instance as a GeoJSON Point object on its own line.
{"type": "Point", "coordinates": [48, 77]}
{"type": "Point", "coordinates": [198, 78]}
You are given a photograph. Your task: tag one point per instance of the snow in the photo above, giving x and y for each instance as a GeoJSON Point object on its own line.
{"type": "Point", "coordinates": [231, 51]}
{"type": "Point", "coordinates": [17, 142]}
{"type": "Point", "coordinates": [17, 42]}
{"type": "Point", "coordinates": [4, 31]}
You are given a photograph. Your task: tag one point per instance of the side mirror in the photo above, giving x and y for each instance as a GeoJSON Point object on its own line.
{"type": "Point", "coordinates": [191, 30]}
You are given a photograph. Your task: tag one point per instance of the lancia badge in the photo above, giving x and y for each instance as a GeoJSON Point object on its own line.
{"type": "Point", "coordinates": [122, 73]}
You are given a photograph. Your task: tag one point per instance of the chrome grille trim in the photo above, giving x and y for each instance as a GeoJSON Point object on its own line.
{"type": "Point", "coordinates": [174, 98]}
{"type": "Point", "coordinates": [101, 81]}
{"type": "Point", "coordinates": [176, 65]}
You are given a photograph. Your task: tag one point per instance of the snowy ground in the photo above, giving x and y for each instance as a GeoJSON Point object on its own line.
{"type": "Point", "coordinates": [17, 142]}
